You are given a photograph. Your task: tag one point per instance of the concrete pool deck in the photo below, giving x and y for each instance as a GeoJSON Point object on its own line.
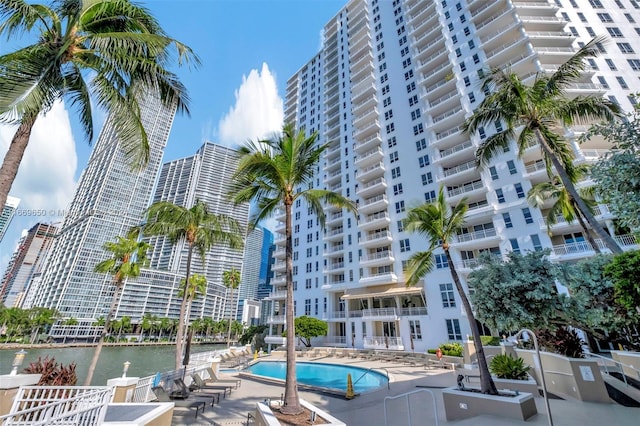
{"type": "Point", "coordinates": [368, 409]}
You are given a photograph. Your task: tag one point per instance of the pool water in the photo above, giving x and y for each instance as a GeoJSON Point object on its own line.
{"type": "Point", "coordinates": [323, 375]}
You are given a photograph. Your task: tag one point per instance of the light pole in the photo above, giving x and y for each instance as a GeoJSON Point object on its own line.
{"type": "Point", "coordinates": [545, 396]}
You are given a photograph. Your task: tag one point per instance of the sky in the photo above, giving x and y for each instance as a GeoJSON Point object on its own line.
{"type": "Point", "coordinates": [247, 49]}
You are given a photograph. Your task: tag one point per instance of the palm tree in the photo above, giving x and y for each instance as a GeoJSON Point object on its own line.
{"type": "Point", "coordinates": [105, 52]}
{"type": "Point", "coordinates": [197, 285]}
{"type": "Point", "coordinates": [539, 111]}
{"type": "Point", "coordinates": [274, 173]}
{"type": "Point", "coordinates": [128, 255]}
{"type": "Point", "coordinates": [565, 206]}
{"type": "Point", "coordinates": [231, 280]}
{"type": "Point", "coordinates": [200, 230]}
{"type": "Point", "coordinates": [439, 224]}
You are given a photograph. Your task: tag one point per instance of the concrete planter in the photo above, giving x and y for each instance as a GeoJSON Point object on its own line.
{"type": "Point", "coordinates": [459, 404]}
{"type": "Point", "coordinates": [528, 386]}
{"type": "Point", "coordinates": [265, 417]}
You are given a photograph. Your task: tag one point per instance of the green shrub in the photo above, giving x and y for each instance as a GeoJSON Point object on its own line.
{"type": "Point", "coordinates": [507, 367]}
{"type": "Point", "coordinates": [490, 341]}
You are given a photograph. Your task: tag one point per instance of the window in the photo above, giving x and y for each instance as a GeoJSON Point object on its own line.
{"type": "Point", "coordinates": [415, 114]}
{"type": "Point", "coordinates": [515, 247]}
{"type": "Point", "coordinates": [625, 47]}
{"type": "Point", "coordinates": [458, 52]}
{"type": "Point", "coordinates": [512, 167]}
{"type": "Point", "coordinates": [307, 306]}
{"type": "Point", "coordinates": [467, 31]}
{"type": "Point", "coordinates": [413, 100]}
{"type": "Point", "coordinates": [581, 16]}
{"type": "Point", "coordinates": [472, 97]}
{"type": "Point", "coordinates": [463, 67]}
{"type": "Point", "coordinates": [424, 160]}
{"type": "Point", "coordinates": [615, 32]}
{"type": "Point", "coordinates": [427, 178]}
{"type": "Point", "coordinates": [526, 212]}
{"type": "Point", "coordinates": [482, 133]}
{"type": "Point", "coordinates": [453, 329]}
{"type": "Point", "coordinates": [421, 144]}
{"type": "Point", "coordinates": [430, 196]}
{"type": "Point", "coordinates": [535, 240]}
{"type": "Point", "coordinates": [441, 261]}
{"type": "Point", "coordinates": [596, 4]}
{"type": "Point", "coordinates": [500, 195]}
{"type": "Point", "coordinates": [448, 297]}
{"type": "Point", "coordinates": [565, 17]}
{"type": "Point", "coordinates": [397, 189]}
{"type": "Point", "coordinates": [400, 206]}
{"type": "Point", "coordinates": [472, 44]}
{"type": "Point", "coordinates": [404, 245]}
{"type": "Point", "coordinates": [467, 82]}
{"type": "Point", "coordinates": [629, 17]}
{"type": "Point", "coordinates": [574, 31]}
{"type": "Point", "coordinates": [507, 220]}
{"type": "Point", "coordinates": [519, 190]}
{"type": "Point", "coordinates": [590, 31]}
{"type": "Point", "coordinates": [393, 157]}
{"type": "Point", "coordinates": [494, 173]}
{"type": "Point", "coordinates": [395, 172]}
{"type": "Point", "coordinates": [634, 63]}
{"type": "Point", "coordinates": [605, 17]}
{"type": "Point", "coordinates": [400, 225]}
{"type": "Point", "coordinates": [391, 142]}
{"type": "Point", "coordinates": [603, 82]}
{"type": "Point", "coordinates": [411, 87]}
{"type": "Point", "coordinates": [414, 326]}
{"type": "Point", "coordinates": [390, 127]}
{"type": "Point", "coordinates": [611, 65]}
{"type": "Point", "coordinates": [307, 283]}
{"type": "Point", "coordinates": [476, 58]}
{"type": "Point", "coordinates": [619, 3]}
{"type": "Point", "coordinates": [417, 129]}
{"type": "Point", "coordinates": [622, 83]}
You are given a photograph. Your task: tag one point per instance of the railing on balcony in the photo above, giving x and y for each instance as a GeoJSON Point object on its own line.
{"type": "Point", "coordinates": [441, 117]}
{"type": "Point", "coordinates": [380, 342]}
{"type": "Point", "coordinates": [379, 312]}
{"type": "Point", "coordinates": [469, 263]}
{"type": "Point", "coordinates": [335, 248]}
{"type": "Point", "coordinates": [376, 256]}
{"type": "Point", "coordinates": [336, 265]}
{"type": "Point", "coordinates": [376, 235]}
{"type": "Point", "coordinates": [599, 210]}
{"type": "Point", "coordinates": [276, 319]}
{"type": "Point", "coordinates": [476, 235]}
{"type": "Point", "coordinates": [449, 132]}
{"type": "Point", "coordinates": [373, 183]}
{"type": "Point", "coordinates": [278, 294]}
{"type": "Point", "coordinates": [377, 151]}
{"type": "Point", "coordinates": [335, 315]}
{"type": "Point", "coordinates": [467, 187]}
{"type": "Point", "coordinates": [377, 198]}
{"type": "Point", "coordinates": [457, 148]}
{"type": "Point", "coordinates": [59, 405]}
{"type": "Point", "coordinates": [413, 311]}
{"type": "Point", "coordinates": [534, 167]}
{"type": "Point", "coordinates": [376, 216]}
{"type": "Point", "coordinates": [443, 98]}
{"type": "Point", "coordinates": [469, 165]}
{"type": "Point", "coordinates": [335, 216]}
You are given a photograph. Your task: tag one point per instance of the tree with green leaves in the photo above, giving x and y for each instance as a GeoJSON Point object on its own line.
{"type": "Point", "coordinates": [197, 285]}
{"type": "Point", "coordinates": [274, 174]}
{"type": "Point", "coordinates": [617, 175]}
{"type": "Point", "coordinates": [128, 256]}
{"type": "Point", "coordinates": [231, 280]}
{"type": "Point", "coordinates": [624, 271]}
{"type": "Point", "coordinates": [41, 318]}
{"type": "Point", "coordinates": [533, 113]}
{"type": "Point", "coordinates": [565, 206]}
{"type": "Point", "coordinates": [439, 224]}
{"type": "Point", "coordinates": [308, 328]}
{"type": "Point", "coordinates": [85, 52]}
{"type": "Point", "coordinates": [200, 230]}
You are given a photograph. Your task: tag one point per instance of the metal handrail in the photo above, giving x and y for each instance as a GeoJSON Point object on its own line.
{"type": "Point", "coordinates": [621, 364]}
{"type": "Point", "coordinates": [406, 395]}
{"type": "Point", "coordinates": [369, 370]}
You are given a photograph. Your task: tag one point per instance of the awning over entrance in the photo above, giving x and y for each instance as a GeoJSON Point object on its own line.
{"type": "Point", "coordinates": [365, 293]}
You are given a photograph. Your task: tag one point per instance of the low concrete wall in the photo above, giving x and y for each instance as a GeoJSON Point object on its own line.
{"type": "Point", "coordinates": [463, 404]}
{"type": "Point", "coordinates": [576, 378]}
{"type": "Point", "coordinates": [528, 386]}
{"type": "Point", "coordinates": [264, 416]}
{"type": "Point", "coordinates": [630, 361]}
{"type": "Point", "coordinates": [9, 388]}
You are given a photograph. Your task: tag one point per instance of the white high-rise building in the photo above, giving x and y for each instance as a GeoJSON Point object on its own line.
{"type": "Point", "coordinates": [388, 92]}
{"type": "Point", "coordinates": [109, 200]}
{"type": "Point", "coordinates": [205, 176]}
{"type": "Point", "coordinates": [8, 211]}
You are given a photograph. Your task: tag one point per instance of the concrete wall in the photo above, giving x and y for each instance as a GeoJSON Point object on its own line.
{"type": "Point", "coordinates": [568, 377]}
{"type": "Point", "coordinates": [463, 404]}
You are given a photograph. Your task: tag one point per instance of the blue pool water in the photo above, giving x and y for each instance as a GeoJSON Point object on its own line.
{"type": "Point", "coordinates": [323, 375]}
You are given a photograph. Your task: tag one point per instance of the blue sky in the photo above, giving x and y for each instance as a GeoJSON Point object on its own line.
{"type": "Point", "coordinates": [248, 49]}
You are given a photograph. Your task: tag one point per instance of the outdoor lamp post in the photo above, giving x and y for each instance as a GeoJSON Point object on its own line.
{"type": "Point", "coordinates": [17, 361]}
{"type": "Point", "coordinates": [125, 368]}
{"type": "Point", "coordinates": [545, 395]}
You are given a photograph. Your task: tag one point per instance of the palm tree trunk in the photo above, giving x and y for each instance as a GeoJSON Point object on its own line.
{"type": "Point", "coordinates": [230, 317]}
{"type": "Point", "coordinates": [582, 207]}
{"type": "Point", "coordinates": [291, 398]}
{"type": "Point", "coordinates": [585, 228]}
{"type": "Point", "coordinates": [183, 307]}
{"type": "Point", "coordinates": [105, 330]}
{"type": "Point", "coordinates": [486, 382]}
{"type": "Point", "coordinates": [13, 157]}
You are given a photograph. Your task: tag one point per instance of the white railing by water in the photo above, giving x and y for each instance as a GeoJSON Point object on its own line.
{"type": "Point", "coordinates": [142, 392]}
{"type": "Point", "coordinates": [59, 405]}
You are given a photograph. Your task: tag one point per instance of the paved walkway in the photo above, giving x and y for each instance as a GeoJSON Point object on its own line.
{"type": "Point", "coordinates": [369, 409]}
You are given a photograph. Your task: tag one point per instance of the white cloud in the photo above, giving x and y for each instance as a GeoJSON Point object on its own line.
{"type": "Point", "coordinates": [45, 179]}
{"type": "Point", "coordinates": [258, 112]}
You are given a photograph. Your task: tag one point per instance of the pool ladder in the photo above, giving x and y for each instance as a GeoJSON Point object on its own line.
{"type": "Point", "coordinates": [369, 370]}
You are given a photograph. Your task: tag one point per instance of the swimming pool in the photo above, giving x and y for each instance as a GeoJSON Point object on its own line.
{"type": "Point", "coordinates": [331, 376]}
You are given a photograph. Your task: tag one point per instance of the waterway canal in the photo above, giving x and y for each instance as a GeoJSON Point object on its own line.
{"type": "Point", "coordinates": [145, 360]}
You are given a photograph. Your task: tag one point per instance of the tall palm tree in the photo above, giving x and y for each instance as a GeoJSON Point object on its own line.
{"type": "Point", "coordinates": [275, 173]}
{"type": "Point", "coordinates": [200, 230]}
{"type": "Point", "coordinates": [538, 112]}
{"type": "Point", "coordinates": [564, 205]}
{"type": "Point", "coordinates": [231, 280]}
{"type": "Point", "coordinates": [197, 285]}
{"type": "Point", "coordinates": [439, 224]}
{"type": "Point", "coordinates": [128, 255]}
{"type": "Point", "coordinates": [105, 52]}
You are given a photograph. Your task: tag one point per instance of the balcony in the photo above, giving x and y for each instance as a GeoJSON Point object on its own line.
{"type": "Point", "coordinates": [334, 234]}
{"type": "Point", "coordinates": [459, 169]}
{"type": "Point", "coordinates": [374, 204]}
{"type": "Point", "coordinates": [533, 168]}
{"type": "Point", "coordinates": [413, 311]}
{"type": "Point", "coordinates": [376, 239]}
{"type": "Point", "coordinates": [372, 187]}
{"type": "Point", "coordinates": [379, 313]}
{"type": "Point", "coordinates": [457, 130]}
{"type": "Point", "coordinates": [368, 143]}
{"type": "Point", "coordinates": [364, 104]}
{"type": "Point", "coordinates": [333, 176]}
{"type": "Point", "coordinates": [476, 235]}
{"type": "Point", "coordinates": [334, 217]}
{"type": "Point", "coordinates": [335, 315]}
{"type": "Point", "coordinates": [334, 249]}
{"type": "Point", "coordinates": [579, 249]}
{"type": "Point", "coordinates": [435, 74]}
{"type": "Point", "coordinates": [365, 119]}
{"type": "Point", "coordinates": [377, 220]}
{"type": "Point", "coordinates": [276, 319]}
{"type": "Point", "coordinates": [377, 259]}
{"type": "Point", "coordinates": [278, 295]}
{"type": "Point", "coordinates": [432, 60]}
{"type": "Point", "coordinates": [369, 129]}
{"type": "Point", "coordinates": [335, 267]}
{"type": "Point", "coordinates": [450, 153]}
{"type": "Point", "coordinates": [465, 189]}
{"type": "Point", "coordinates": [383, 342]}
{"type": "Point", "coordinates": [379, 278]}
{"type": "Point", "coordinates": [371, 172]}
{"type": "Point", "coordinates": [439, 87]}
{"type": "Point", "coordinates": [370, 157]}
{"type": "Point", "coordinates": [600, 212]}
{"type": "Point", "coordinates": [448, 114]}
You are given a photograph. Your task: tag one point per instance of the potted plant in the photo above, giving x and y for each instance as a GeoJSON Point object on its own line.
{"type": "Point", "coordinates": [512, 373]}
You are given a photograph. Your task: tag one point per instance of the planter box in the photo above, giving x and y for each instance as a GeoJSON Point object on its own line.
{"type": "Point", "coordinates": [528, 386]}
{"type": "Point", "coordinates": [265, 417]}
{"type": "Point", "coordinates": [463, 404]}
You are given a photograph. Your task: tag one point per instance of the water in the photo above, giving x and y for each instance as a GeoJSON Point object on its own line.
{"type": "Point", "coordinates": [145, 360]}
{"type": "Point", "coordinates": [323, 375]}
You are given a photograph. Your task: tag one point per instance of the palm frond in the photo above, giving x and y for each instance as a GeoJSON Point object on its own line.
{"type": "Point", "coordinates": [418, 265]}
{"type": "Point", "coordinates": [571, 70]}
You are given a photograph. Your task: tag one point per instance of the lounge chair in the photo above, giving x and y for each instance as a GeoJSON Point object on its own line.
{"type": "Point", "coordinates": [214, 378]}
{"type": "Point", "coordinates": [201, 385]}
{"type": "Point", "coordinates": [163, 396]}
{"type": "Point", "coordinates": [184, 392]}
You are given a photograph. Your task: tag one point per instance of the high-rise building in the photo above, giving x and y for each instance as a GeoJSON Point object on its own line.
{"type": "Point", "coordinates": [25, 261]}
{"type": "Point", "coordinates": [205, 176]}
{"type": "Point", "coordinates": [389, 92]}
{"type": "Point", "coordinates": [251, 263]}
{"type": "Point", "coordinates": [8, 211]}
{"type": "Point", "coordinates": [109, 200]}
